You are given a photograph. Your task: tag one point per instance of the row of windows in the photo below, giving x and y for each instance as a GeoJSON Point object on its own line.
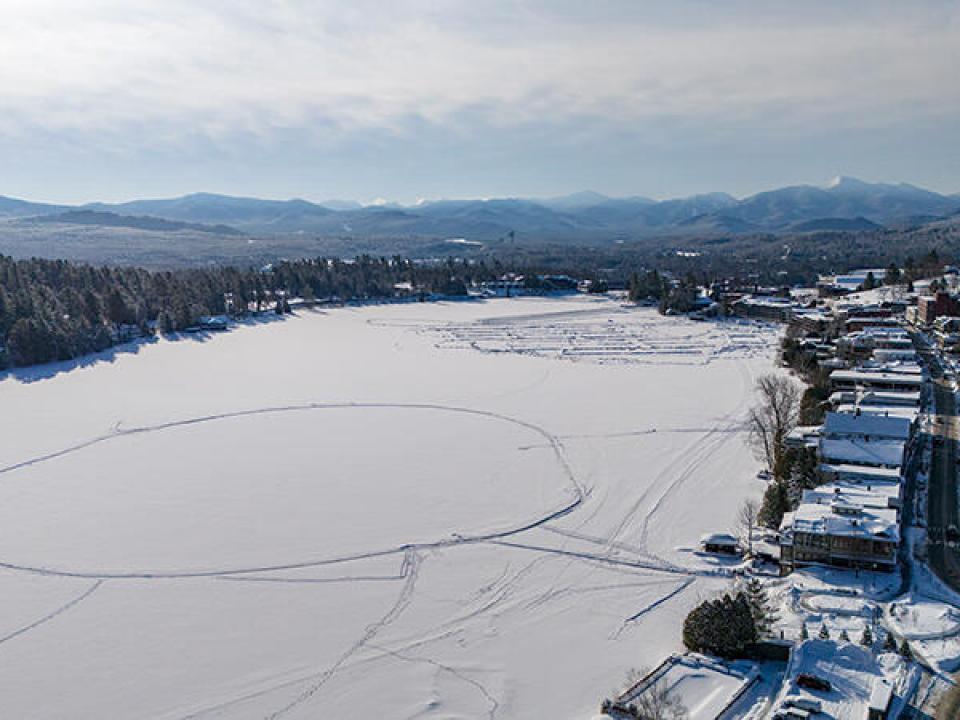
{"type": "Point", "coordinates": [852, 545]}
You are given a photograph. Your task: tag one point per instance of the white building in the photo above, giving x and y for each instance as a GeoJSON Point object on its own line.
{"type": "Point", "coordinates": [865, 426]}
{"type": "Point", "coordinates": [865, 379]}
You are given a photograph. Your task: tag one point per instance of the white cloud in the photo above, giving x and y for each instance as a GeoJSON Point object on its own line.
{"type": "Point", "coordinates": [220, 68]}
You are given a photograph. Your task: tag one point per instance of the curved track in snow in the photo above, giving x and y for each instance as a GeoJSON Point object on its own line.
{"type": "Point", "coordinates": [578, 491]}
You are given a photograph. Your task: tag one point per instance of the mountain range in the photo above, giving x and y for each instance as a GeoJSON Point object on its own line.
{"type": "Point", "coordinates": [846, 204]}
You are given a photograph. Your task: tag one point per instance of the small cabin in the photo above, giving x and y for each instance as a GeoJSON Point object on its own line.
{"type": "Point", "coordinates": [720, 543]}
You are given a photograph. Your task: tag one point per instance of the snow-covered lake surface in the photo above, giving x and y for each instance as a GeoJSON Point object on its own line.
{"type": "Point", "coordinates": [391, 511]}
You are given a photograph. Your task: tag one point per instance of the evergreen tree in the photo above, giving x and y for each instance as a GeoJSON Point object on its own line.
{"type": "Point", "coordinates": [804, 633]}
{"type": "Point", "coordinates": [763, 614]}
{"type": "Point", "coordinates": [164, 322]}
{"type": "Point", "coordinates": [776, 502]}
{"type": "Point", "coordinates": [844, 637]}
{"type": "Point", "coordinates": [118, 312]}
{"type": "Point", "coordinates": [824, 634]}
{"type": "Point", "coordinates": [892, 276]}
{"type": "Point", "coordinates": [905, 652]}
{"type": "Point", "coordinates": [890, 643]}
{"type": "Point", "coordinates": [723, 627]}
{"type": "Point", "coordinates": [866, 639]}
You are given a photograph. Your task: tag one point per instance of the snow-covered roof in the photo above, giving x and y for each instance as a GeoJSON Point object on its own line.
{"type": "Point", "coordinates": [895, 354]}
{"type": "Point", "coordinates": [899, 411]}
{"type": "Point", "coordinates": [900, 367]}
{"type": "Point", "coordinates": [767, 300]}
{"type": "Point", "coordinates": [881, 695]}
{"type": "Point", "coordinates": [847, 519]}
{"type": "Point", "coordinates": [854, 451]}
{"type": "Point", "coordinates": [855, 473]}
{"type": "Point", "coordinates": [879, 377]}
{"type": "Point", "coordinates": [850, 281]}
{"type": "Point", "coordinates": [718, 539]}
{"type": "Point", "coordinates": [890, 397]}
{"type": "Point", "coordinates": [838, 425]}
{"type": "Point", "coordinates": [803, 435]}
{"type": "Point", "coordinates": [876, 397]}
{"type": "Point", "coordinates": [818, 313]}
{"type": "Point", "coordinates": [878, 496]}
{"type": "Point", "coordinates": [884, 332]}
{"type": "Point", "coordinates": [879, 337]}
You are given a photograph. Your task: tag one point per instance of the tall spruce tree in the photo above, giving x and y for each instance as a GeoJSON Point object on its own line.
{"type": "Point", "coordinates": [763, 614]}
{"type": "Point", "coordinates": [776, 502]}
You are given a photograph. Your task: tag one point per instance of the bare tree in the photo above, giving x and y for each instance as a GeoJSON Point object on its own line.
{"type": "Point", "coordinates": [747, 521]}
{"type": "Point", "coordinates": [661, 702]}
{"type": "Point", "coordinates": [773, 417]}
{"type": "Point", "coordinates": [654, 700]}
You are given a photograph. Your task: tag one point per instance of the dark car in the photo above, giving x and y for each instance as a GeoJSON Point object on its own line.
{"type": "Point", "coordinates": [813, 682]}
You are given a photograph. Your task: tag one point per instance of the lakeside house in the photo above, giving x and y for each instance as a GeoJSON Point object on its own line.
{"type": "Point", "coordinates": [840, 529]}
{"type": "Point", "coordinates": [720, 543]}
{"type": "Point", "coordinates": [869, 379]}
{"type": "Point", "coordinates": [779, 309]}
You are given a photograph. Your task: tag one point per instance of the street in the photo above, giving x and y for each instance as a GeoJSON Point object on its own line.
{"type": "Point", "coordinates": [943, 516]}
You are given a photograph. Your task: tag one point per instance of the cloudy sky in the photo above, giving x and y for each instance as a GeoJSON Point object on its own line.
{"type": "Point", "coordinates": [401, 99]}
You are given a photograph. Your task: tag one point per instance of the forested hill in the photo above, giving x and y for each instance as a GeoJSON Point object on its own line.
{"type": "Point", "coordinates": [57, 310]}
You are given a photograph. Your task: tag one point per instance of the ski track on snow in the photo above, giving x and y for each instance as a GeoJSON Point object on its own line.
{"type": "Point", "coordinates": [480, 687]}
{"type": "Point", "coordinates": [578, 490]}
{"type": "Point", "coordinates": [411, 568]}
{"type": "Point", "coordinates": [497, 591]}
{"type": "Point", "coordinates": [55, 613]}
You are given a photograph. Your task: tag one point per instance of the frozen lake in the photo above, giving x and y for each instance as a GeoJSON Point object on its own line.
{"type": "Point", "coordinates": [454, 510]}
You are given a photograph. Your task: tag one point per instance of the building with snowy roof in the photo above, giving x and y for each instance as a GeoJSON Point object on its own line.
{"type": "Point", "coordinates": [868, 379]}
{"type": "Point", "coordinates": [865, 398]}
{"type": "Point", "coordinates": [838, 530]}
{"type": "Point", "coordinates": [720, 543]}
{"type": "Point", "coordinates": [880, 495]}
{"type": "Point", "coordinates": [779, 309]}
{"type": "Point", "coordinates": [803, 436]}
{"type": "Point", "coordinates": [881, 453]}
{"type": "Point", "coordinates": [860, 474]}
{"type": "Point", "coordinates": [910, 414]}
{"type": "Point", "coordinates": [865, 426]}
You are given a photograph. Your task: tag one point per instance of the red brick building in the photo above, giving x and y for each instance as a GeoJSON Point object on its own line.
{"type": "Point", "coordinates": [930, 307]}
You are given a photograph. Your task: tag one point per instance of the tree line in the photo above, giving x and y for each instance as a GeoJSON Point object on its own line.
{"type": "Point", "coordinates": [57, 310]}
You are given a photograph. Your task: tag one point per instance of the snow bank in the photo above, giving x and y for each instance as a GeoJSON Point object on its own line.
{"type": "Point", "coordinates": [919, 618]}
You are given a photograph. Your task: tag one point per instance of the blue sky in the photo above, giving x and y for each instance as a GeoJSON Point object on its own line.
{"type": "Point", "coordinates": [116, 99]}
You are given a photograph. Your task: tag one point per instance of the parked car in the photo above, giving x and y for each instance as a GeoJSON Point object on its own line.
{"type": "Point", "coordinates": [813, 682]}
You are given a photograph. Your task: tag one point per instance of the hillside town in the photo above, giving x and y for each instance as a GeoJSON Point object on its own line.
{"type": "Point", "coordinates": [847, 577]}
